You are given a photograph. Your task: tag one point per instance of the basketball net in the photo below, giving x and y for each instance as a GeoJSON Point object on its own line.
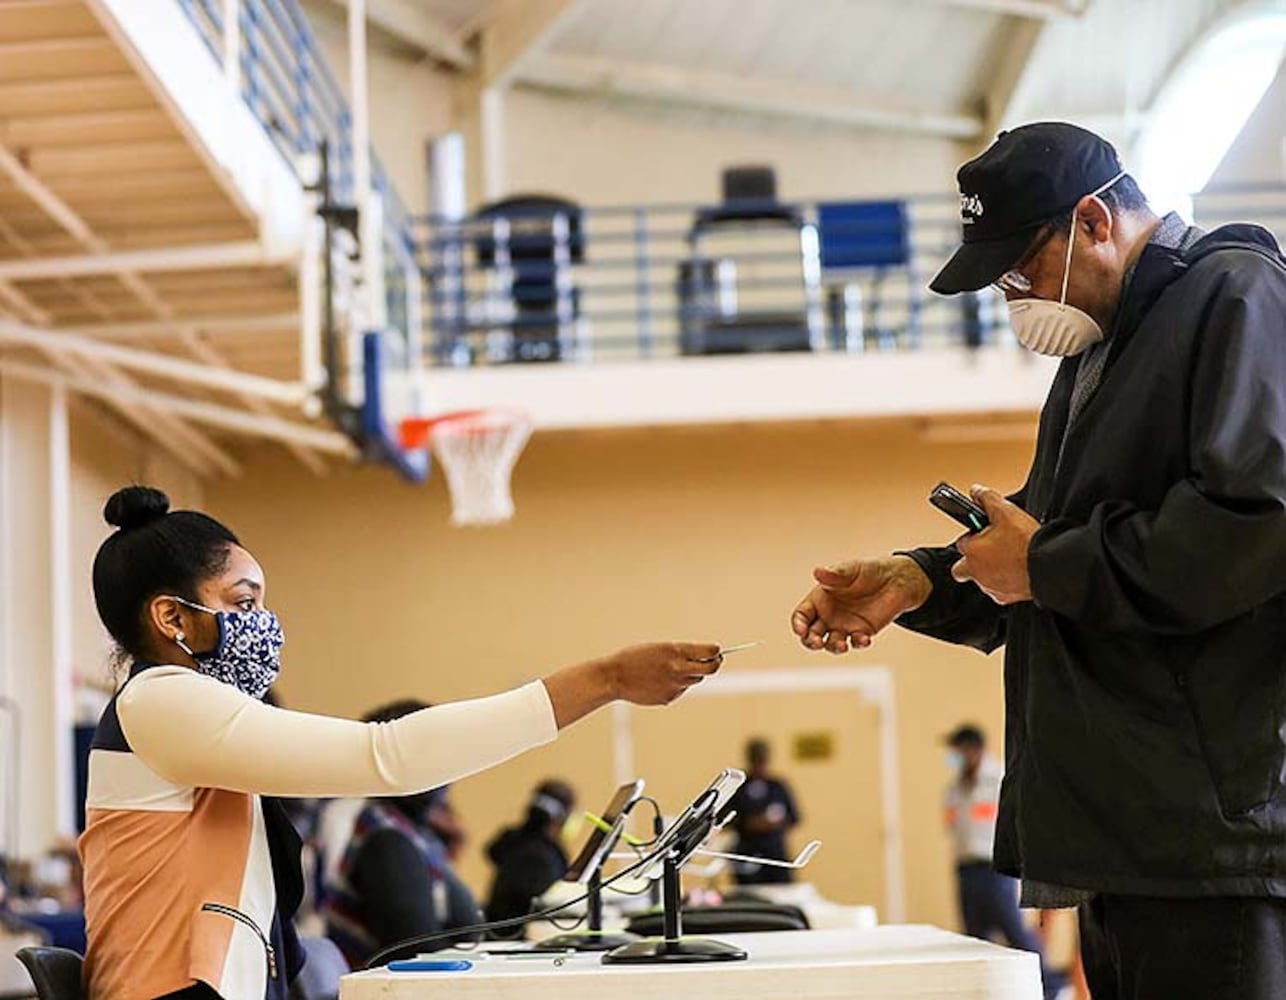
{"type": "Point", "coordinates": [477, 450]}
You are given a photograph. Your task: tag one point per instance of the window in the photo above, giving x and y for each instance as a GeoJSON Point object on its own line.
{"type": "Point", "coordinates": [1203, 106]}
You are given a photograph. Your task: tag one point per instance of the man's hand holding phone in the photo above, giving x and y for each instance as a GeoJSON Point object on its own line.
{"type": "Point", "coordinates": [996, 557]}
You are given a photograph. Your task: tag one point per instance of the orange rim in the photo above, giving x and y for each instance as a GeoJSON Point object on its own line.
{"type": "Point", "coordinates": [414, 433]}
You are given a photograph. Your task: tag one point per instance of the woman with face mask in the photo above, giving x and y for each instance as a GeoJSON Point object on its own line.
{"type": "Point", "coordinates": [191, 866]}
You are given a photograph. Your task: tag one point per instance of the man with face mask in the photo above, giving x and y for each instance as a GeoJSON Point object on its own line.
{"type": "Point", "coordinates": [1137, 580]}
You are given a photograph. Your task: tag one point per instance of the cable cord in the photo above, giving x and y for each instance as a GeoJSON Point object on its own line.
{"type": "Point", "coordinates": [410, 945]}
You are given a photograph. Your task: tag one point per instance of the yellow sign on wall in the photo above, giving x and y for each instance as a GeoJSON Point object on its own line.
{"type": "Point", "coordinates": [814, 746]}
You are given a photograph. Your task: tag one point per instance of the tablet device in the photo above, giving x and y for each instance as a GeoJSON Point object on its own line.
{"type": "Point", "coordinates": [601, 842]}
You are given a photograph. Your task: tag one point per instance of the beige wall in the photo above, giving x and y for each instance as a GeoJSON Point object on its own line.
{"type": "Point", "coordinates": [103, 460]}
{"type": "Point", "coordinates": [410, 99]}
{"type": "Point", "coordinates": [104, 457]}
{"type": "Point", "coordinates": [599, 152]}
{"type": "Point", "coordinates": [622, 537]}
{"type": "Point", "coordinates": [613, 153]}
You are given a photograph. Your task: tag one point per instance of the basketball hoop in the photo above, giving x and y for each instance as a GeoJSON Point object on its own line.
{"type": "Point", "coordinates": [478, 449]}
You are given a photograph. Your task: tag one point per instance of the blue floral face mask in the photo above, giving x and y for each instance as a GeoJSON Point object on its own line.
{"type": "Point", "coordinates": [248, 653]}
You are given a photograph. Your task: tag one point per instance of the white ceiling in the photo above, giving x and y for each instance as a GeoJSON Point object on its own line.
{"type": "Point", "coordinates": [459, 14]}
{"type": "Point", "coordinates": [957, 68]}
{"type": "Point", "coordinates": [917, 55]}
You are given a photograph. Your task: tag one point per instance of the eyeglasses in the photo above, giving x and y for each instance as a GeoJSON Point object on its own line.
{"type": "Point", "coordinates": [1014, 280]}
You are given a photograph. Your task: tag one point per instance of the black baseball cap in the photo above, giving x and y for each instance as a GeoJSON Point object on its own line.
{"type": "Point", "coordinates": [1027, 177]}
{"type": "Point", "coordinates": [965, 735]}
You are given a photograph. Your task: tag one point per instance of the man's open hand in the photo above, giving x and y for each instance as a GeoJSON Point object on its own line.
{"type": "Point", "coordinates": [854, 600]}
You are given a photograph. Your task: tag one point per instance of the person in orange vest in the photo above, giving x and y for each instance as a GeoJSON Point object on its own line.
{"type": "Point", "coordinates": [988, 899]}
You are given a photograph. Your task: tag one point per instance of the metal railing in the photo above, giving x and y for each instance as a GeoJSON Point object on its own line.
{"type": "Point", "coordinates": [543, 280]}
{"type": "Point", "coordinates": [286, 81]}
{"type": "Point", "coordinates": [547, 281]}
{"type": "Point", "coordinates": [535, 281]}
{"type": "Point", "coordinates": [271, 57]}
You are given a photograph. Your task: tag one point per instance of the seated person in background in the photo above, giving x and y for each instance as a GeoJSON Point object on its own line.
{"type": "Point", "coordinates": [337, 816]}
{"type": "Point", "coordinates": [530, 858]}
{"type": "Point", "coordinates": [394, 879]}
{"type": "Point", "coordinates": [335, 821]}
{"type": "Point", "coordinates": [444, 822]}
{"type": "Point", "coordinates": [765, 811]}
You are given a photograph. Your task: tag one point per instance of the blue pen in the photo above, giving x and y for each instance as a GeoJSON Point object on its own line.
{"type": "Point", "coordinates": [429, 965]}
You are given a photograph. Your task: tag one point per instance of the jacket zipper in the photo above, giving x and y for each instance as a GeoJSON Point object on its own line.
{"type": "Point", "coordinates": [241, 918]}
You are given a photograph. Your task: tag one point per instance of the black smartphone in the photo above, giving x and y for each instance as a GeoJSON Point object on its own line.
{"type": "Point", "coordinates": [687, 833]}
{"type": "Point", "coordinates": [958, 506]}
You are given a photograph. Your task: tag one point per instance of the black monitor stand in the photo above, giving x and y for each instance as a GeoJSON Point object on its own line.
{"type": "Point", "coordinates": [593, 938]}
{"type": "Point", "coordinates": [673, 947]}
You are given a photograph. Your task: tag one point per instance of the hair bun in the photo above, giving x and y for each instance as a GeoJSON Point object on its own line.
{"type": "Point", "coordinates": [135, 506]}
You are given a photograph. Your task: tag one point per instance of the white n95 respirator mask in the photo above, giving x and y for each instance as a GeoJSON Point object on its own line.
{"type": "Point", "coordinates": [1055, 328]}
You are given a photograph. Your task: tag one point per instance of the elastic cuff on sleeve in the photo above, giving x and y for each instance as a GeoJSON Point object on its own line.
{"type": "Point", "coordinates": [928, 612]}
{"type": "Point", "coordinates": [543, 709]}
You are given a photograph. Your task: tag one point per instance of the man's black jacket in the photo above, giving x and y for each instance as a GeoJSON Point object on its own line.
{"type": "Point", "coordinates": [1145, 684]}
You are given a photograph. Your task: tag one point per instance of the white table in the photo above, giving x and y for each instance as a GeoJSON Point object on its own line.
{"type": "Point", "coordinates": [890, 961]}
{"type": "Point", "coordinates": [822, 914]}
